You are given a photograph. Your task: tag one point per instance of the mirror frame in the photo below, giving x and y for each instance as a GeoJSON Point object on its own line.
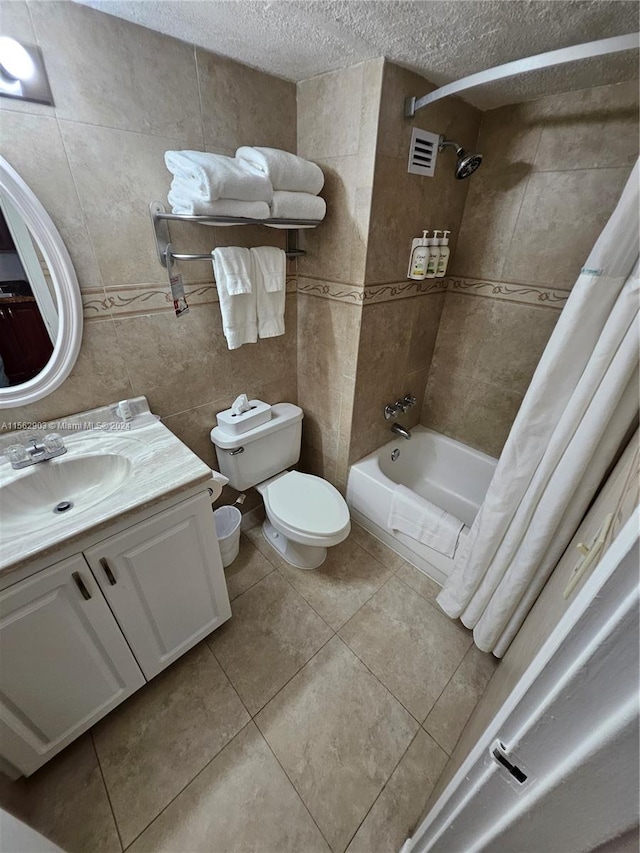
{"type": "Point", "coordinates": [65, 285]}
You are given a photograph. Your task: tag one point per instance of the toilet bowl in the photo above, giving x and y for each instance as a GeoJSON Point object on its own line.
{"type": "Point", "coordinates": [305, 516]}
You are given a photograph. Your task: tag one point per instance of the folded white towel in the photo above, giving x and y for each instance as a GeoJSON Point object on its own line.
{"type": "Point", "coordinates": [270, 276]}
{"type": "Point", "coordinates": [214, 176]}
{"type": "Point", "coordinates": [422, 520]}
{"type": "Point", "coordinates": [285, 171]}
{"type": "Point", "coordinates": [287, 205]}
{"type": "Point", "coordinates": [232, 268]}
{"type": "Point", "coordinates": [221, 207]}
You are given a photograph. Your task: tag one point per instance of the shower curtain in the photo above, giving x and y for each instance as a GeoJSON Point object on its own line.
{"type": "Point", "coordinates": [581, 402]}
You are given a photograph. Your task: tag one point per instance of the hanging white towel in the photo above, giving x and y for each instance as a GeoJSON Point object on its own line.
{"type": "Point", "coordinates": [288, 205]}
{"type": "Point", "coordinates": [422, 520]}
{"type": "Point", "coordinates": [232, 267]}
{"type": "Point", "coordinates": [285, 171]}
{"type": "Point", "coordinates": [270, 277]}
{"type": "Point", "coordinates": [213, 176]}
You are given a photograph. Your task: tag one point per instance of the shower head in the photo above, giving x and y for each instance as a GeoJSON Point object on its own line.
{"type": "Point", "coordinates": [468, 161]}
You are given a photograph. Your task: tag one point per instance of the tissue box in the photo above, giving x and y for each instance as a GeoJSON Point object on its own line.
{"type": "Point", "coordinates": [259, 413]}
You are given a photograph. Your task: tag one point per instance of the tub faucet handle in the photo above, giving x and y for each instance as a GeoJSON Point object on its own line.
{"type": "Point", "coordinates": [391, 410]}
{"type": "Point", "coordinates": [409, 401]}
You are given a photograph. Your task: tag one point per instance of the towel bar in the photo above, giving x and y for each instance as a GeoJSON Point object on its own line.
{"type": "Point", "coordinates": [160, 218]}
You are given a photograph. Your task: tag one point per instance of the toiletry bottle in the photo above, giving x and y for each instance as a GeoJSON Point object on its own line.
{"type": "Point", "coordinates": [443, 260]}
{"type": "Point", "coordinates": [434, 256]}
{"type": "Point", "coordinates": [419, 257]}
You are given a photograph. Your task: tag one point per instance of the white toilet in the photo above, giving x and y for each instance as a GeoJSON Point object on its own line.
{"type": "Point", "coordinates": [305, 514]}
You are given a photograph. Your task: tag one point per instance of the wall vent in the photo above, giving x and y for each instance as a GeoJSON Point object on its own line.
{"type": "Point", "coordinates": [423, 152]}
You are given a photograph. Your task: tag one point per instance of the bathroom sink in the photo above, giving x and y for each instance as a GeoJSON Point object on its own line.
{"type": "Point", "coordinates": [109, 471]}
{"type": "Point", "coordinates": [51, 491]}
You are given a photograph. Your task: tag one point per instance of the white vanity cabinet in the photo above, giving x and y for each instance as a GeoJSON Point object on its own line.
{"type": "Point", "coordinates": [80, 636]}
{"type": "Point", "coordinates": [64, 662]}
{"type": "Point", "coordinates": [164, 581]}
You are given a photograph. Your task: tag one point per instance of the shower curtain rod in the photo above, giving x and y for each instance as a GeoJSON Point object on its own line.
{"type": "Point", "coordinates": [529, 63]}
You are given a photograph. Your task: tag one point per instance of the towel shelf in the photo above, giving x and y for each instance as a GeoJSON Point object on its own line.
{"type": "Point", "coordinates": [160, 218]}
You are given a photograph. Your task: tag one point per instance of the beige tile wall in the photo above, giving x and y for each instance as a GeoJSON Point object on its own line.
{"type": "Point", "coordinates": [553, 171]}
{"type": "Point", "coordinates": [123, 95]}
{"type": "Point", "coordinates": [397, 337]}
{"type": "Point", "coordinates": [337, 127]}
{"type": "Point", "coordinates": [404, 205]}
{"type": "Point", "coordinates": [394, 357]}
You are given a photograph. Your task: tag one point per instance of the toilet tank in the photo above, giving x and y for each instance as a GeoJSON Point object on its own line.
{"type": "Point", "coordinates": [262, 452]}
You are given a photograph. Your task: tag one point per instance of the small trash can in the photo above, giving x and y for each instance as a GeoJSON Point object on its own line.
{"type": "Point", "coordinates": [228, 520]}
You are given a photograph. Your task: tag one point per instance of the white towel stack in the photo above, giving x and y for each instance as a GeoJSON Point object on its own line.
{"type": "Point", "coordinates": [212, 184]}
{"type": "Point", "coordinates": [252, 292]}
{"type": "Point", "coordinates": [258, 183]}
{"type": "Point", "coordinates": [296, 182]}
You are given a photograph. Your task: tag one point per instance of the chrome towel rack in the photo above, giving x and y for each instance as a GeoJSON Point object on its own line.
{"type": "Point", "coordinates": [160, 219]}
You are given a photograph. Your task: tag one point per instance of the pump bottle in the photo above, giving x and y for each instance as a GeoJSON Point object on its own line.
{"type": "Point", "coordinates": [434, 255]}
{"type": "Point", "coordinates": [443, 260]}
{"type": "Point", "coordinates": [419, 257]}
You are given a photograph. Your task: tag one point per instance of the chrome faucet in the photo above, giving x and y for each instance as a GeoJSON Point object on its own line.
{"type": "Point", "coordinates": [21, 457]}
{"type": "Point", "coordinates": [392, 410]}
{"type": "Point", "coordinates": [398, 429]}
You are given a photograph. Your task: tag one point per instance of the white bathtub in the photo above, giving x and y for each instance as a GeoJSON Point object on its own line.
{"type": "Point", "coordinates": [444, 471]}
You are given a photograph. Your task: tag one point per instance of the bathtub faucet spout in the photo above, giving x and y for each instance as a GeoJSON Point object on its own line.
{"type": "Point", "coordinates": [398, 429]}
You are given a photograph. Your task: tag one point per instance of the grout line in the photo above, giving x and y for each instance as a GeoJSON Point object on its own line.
{"type": "Point", "coordinates": [420, 722]}
{"type": "Point", "coordinates": [106, 789]}
{"type": "Point", "coordinates": [255, 583]}
{"type": "Point", "coordinates": [262, 707]}
{"type": "Point", "coordinates": [383, 789]}
{"type": "Point", "coordinates": [195, 62]}
{"type": "Point", "coordinates": [517, 217]}
{"type": "Point", "coordinates": [239, 732]}
{"type": "Point", "coordinates": [94, 254]}
{"type": "Point", "coordinates": [440, 697]}
{"type": "Point", "coordinates": [280, 689]}
{"type": "Point", "coordinates": [202, 642]}
{"type": "Point", "coordinates": [298, 794]}
{"type": "Point", "coordinates": [435, 739]}
{"type": "Point", "coordinates": [282, 575]}
{"type": "Point", "coordinates": [231, 684]}
{"type": "Point", "coordinates": [185, 139]}
{"type": "Point", "coordinates": [377, 678]}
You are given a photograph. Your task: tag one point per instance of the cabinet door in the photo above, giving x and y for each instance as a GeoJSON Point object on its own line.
{"type": "Point", "coordinates": [64, 663]}
{"type": "Point", "coordinates": [164, 581]}
{"type": "Point", "coordinates": [25, 345]}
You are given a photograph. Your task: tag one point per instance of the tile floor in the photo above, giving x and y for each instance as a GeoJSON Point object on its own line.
{"type": "Point", "coordinates": [318, 718]}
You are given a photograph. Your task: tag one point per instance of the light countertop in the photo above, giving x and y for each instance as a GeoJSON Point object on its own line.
{"type": "Point", "coordinates": [160, 466]}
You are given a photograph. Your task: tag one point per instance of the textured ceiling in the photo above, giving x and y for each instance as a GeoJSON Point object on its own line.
{"type": "Point", "coordinates": [441, 39]}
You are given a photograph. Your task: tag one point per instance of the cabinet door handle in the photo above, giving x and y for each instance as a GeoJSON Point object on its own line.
{"type": "Point", "coordinates": [80, 584]}
{"type": "Point", "coordinates": [106, 568]}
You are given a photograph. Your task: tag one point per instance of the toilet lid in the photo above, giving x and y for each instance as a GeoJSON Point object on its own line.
{"type": "Point", "coordinates": [308, 504]}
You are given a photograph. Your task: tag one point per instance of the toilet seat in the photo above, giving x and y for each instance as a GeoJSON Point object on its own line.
{"type": "Point", "coordinates": [306, 509]}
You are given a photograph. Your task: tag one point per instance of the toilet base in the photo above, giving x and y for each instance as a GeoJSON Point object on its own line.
{"type": "Point", "coordinates": [294, 553]}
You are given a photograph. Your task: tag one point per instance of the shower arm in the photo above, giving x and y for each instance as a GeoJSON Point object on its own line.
{"type": "Point", "coordinates": [601, 47]}
{"type": "Point", "coordinates": [448, 143]}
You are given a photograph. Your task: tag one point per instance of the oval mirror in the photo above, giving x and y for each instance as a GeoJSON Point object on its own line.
{"type": "Point", "coordinates": [40, 303]}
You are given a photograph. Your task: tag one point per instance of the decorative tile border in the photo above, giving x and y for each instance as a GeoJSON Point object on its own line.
{"type": "Point", "coordinates": [522, 293]}
{"type": "Point", "coordinates": [131, 300]}
{"type": "Point", "coordinates": [351, 294]}
{"type": "Point", "coordinates": [354, 295]}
